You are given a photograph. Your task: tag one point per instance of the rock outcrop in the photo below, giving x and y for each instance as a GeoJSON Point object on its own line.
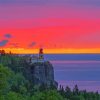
{"type": "Point", "coordinates": [41, 73]}
{"type": "Point", "coordinates": [37, 73]}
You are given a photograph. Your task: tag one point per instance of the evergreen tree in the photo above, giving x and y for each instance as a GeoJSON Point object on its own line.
{"type": "Point", "coordinates": [62, 91]}
{"type": "Point", "coordinates": [68, 92]}
{"type": "Point", "coordinates": [5, 75]}
{"type": "Point", "coordinates": [76, 90]}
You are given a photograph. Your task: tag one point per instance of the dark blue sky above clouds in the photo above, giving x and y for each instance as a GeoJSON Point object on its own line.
{"type": "Point", "coordinates": [42, 2]}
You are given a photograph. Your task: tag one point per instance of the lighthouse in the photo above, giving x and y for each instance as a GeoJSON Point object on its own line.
{"type": "Point", "coordinates": [35, 59]}
{"type": "Point", "coordinates": [41, 55]}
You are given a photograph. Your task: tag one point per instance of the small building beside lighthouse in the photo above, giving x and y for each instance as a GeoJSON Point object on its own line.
{"type": "Point", "coordinates": [41, 55]}
{"type": "Point", "coordinates": [39, 58]}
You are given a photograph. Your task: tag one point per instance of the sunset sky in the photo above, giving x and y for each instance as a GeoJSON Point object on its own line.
{"type": "Point", "coordinates": [58, 26]}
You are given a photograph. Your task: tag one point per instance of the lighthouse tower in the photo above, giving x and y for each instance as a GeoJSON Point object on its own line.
{"type": "Point", "coordinates": [41, 55]}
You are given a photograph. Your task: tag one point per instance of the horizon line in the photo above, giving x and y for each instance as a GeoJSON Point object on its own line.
{"type": "Point", "coordinates": [53, 51]}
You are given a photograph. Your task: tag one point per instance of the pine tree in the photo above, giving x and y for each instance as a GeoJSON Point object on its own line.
{"type": "Point", "coordinates": [76, 90]}
{"type": "Point", "coordinates": [68, 92]}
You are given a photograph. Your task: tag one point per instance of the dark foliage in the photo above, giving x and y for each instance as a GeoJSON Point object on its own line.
{"type": "Point", "coordinates": [14, 85]}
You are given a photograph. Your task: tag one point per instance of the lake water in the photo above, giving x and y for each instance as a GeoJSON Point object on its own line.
{"type": "Point", "coordinates": [80, 69]}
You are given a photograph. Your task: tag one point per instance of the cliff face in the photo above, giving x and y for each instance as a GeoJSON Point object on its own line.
{"type": "Point", "coordinates": [42, 73]}
{"type": "Point", "coordinates": [38, 73]}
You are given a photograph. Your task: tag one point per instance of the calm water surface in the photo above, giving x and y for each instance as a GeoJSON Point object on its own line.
{"type": "Point", "coordinates": [83, 70]}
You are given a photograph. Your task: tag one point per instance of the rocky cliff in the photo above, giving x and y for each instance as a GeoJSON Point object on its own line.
{"type": "Point", "coordinates": [41, 73]}
{"type": "Point", "coordinates": [38, 73]}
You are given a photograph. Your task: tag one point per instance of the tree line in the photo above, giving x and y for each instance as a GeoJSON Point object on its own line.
{"type": "Point", "coordinates": [15, 86]}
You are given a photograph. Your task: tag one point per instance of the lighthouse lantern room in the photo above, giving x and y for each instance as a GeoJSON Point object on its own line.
{"type": "Point", "coordinates": [41, 55]}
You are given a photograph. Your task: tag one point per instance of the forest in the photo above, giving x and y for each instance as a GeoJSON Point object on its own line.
{"type": "Point", "coordinates": [15, 86]}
